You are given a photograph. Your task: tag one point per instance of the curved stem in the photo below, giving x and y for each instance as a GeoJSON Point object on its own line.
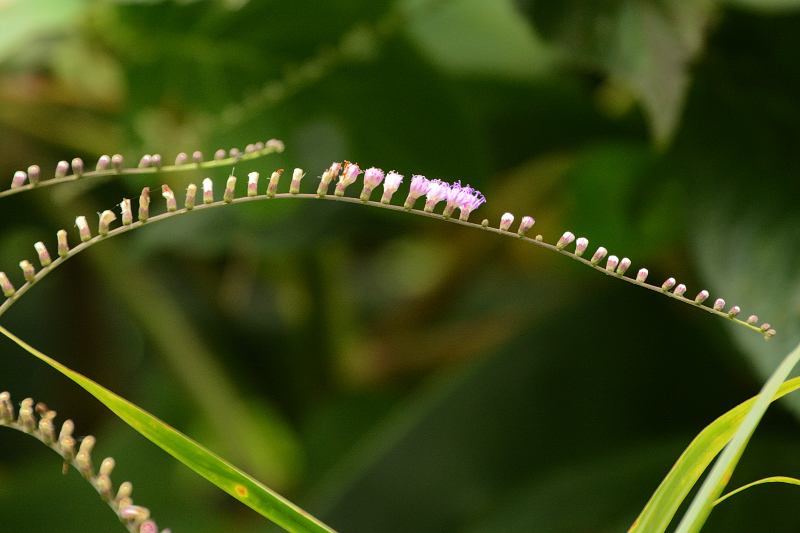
{"type": "Point", "coordinates": [123, 229]}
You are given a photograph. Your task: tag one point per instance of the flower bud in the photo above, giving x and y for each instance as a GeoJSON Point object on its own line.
{"type": "Point", "coordinates": [252, 184]}
{"type": "Point", "coordinates": [127, 213]}
{"type": "Point", "coordinates": [349, 176]}
{"type": "Point", "coordinates": [19, 179]}
{"type": "Point", "coordinates": [566, 240]}
{"type": "Point", "coordinates": [107, 466]}
{"type": "Point", "coordinates": [294, 186]}
{"type": "Point", "coordinates": [580, 245]}
{"type": "Point", "coordinates": [230, 188]}
{"type": "Point", "coordinates": [125, 490]}
{"type": "Point", "coordinates": [641, 276]}
{"type": "Point", "coordinates": [390, 186]}
{"type": "Point", "coordinates": [719, 304]}
{"type": "Point", "coordinates": [624, 265]}
{"type": "Point", "coordinates": [116, 162]}
{"type": "Point", "coordinates": [234, 152]}
{"type": "Point", "coordinates": [172, 203]}
{"type": "Point", "coordinates": [61, 169]}
{"type": "Point", "coordinates": [525, 225]}
{"type": "Point", "coordinates": [679, 290]}
{"type": "Point", "coordinates": [208, 191]}
{"type": "Point", "coordinates": [6, 286]}
{"type": "Point", "coordinates": [144, 205]}
{"type": "Point", "coordinates": [220, 154]}
{"type": "Point", "coordinates": [67, 445]}
{"type": "Point", "coordinates": [77, 166]}
{"type": "Point", "coordinates": [145, 161]}
{"type": "Point", "coordinates": [272, 188]}
{"type": "Point", "coordinates": [191, 193]}
{"type": "Point", "coordinates": [155, 160]}
{"type": "Point", "coordinates": [102, 163]}
{"type": "Point", "coordinates": [769, 334]}
{"type": "Point", "coordinates": [84, 462]}
{"type": "Point", "coordinates": [6, 408]}
{"type": "Point", "coordinates": [33, 174]}
{"type": "Point", "coordinates": [752, 320]}
{"type": "Point", "coordinates": [733, 311]}
{"type": "Point", "coordinates": [181, 159]}
{"type": "Point", "coordinates": [372, 178]}
{"type": "Point", "coordinates": [668, 285]}
{"type": "Point", "coordinates": [106, 218]}
{"type": "Point", "coordinates": [104, 487]}
{"type": "Point", "coordinates": [599, 255]}
{"type": "Point", "coordinates": [250, 148]}
{"type": "Point", "coordinates": [611, 264]}
{"type": "Point", "coordinates": [275, 145]}
{"type": "Point", "coordinates": [505, 221]}
{"type": "Point", "coordinates": [83, 228]}
{"type": "Point", "coordinates": [419, 186]}
{"type": "Point", "coordinates": [134, 512]}
{"type": "Point", "coordinates": [148, 526]}
{"type": "Point", "coordinates": [197, 157]}
{"type": "Point", "coordinates": [47, 431]}
{"type": "Point", "coordinates": [259, 146]}
{"type": "Point", "coordinates": [701, 297]}
{"type": "Point", "coordinates": [44, 255]}
{"type": "Point", "coordinates": [28, 272]}
{"type": "Point", "coordinates": [765, 326]}
{"type": "Point", "coordinates": [63, 245]}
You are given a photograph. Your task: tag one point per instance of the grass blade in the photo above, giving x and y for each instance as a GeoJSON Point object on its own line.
{"type": "Point", "coordinates": [215, 469]}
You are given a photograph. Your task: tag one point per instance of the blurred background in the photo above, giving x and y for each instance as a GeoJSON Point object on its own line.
{"type": "Point", "coordinates": [389, 372]}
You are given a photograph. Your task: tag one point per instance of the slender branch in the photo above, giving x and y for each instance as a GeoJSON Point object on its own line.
{"type": "Point", "coordinates": [558, 248]}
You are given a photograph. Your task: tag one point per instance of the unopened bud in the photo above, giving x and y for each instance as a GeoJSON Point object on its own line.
{"type": "Point", "coordinates": [145, 161]}
{"type": "Point", "coordinates": [63, 245]}
{"type": "Point", "coordinates": [230, 188]}
{"type": "Point", "coordinates": [134, 512]}
{"type": "Point", "coordinates": [61, 169]}
{"type": "Point", "coordinates": [103, 162]}
{"type": "Point", "coordinates": [148, 526]}
{"type": "Point", "coordinates": [191, 193]}
{"type": "Point", "coordinates": [505, 221]}
{"type": "Point", "coordinates": [104, 487]}
{"type": "Point", "coordinates": [611, 264]}
{"type": "Point", "coordinates": [197, 157]}
{"type": "Point", "coordinates": [275, 145]}
{"type": "Point", "coordinates": [719, 304]}
{"type": "Point", "coordinates": [44, 255]}
{"type": "Point", "coordinates": [566, 240]}
{"type": "Point", "coordinates": [19, 179]}
{"type": "Point", "coordinates": [125, 490]}
{"type": "Point", "coordinates": [580, 245]}
{"type": "Point", "coordinates": [67, 445]}
{"type": "Point", "coordinates": [250, 148]}
{"type": "Point", "coordinates": [252, 184]}
{"type": "Point", "coordinates": [28, 272]}
{"type": "Point", "coordinates": [33, 174]}
{"type": "Point", "coordinates": [144, 205]}
{"type": "Point", "coordinates": [155, 160]}
{"type": "Point", "coordinates": [234, 152]}
{"type": "Point", "coordinates": [733, 311]}
{"type": "Point", "coordinates": [77, 166]}
{"type": "Point", "coordinates": [166, 192]}
{"type": "Point", "coordinates": [259, 146]}
{"type": "Point", "coordinates": [220, 154]}
{"type": "Point", "coordinates": [116, 162]}
{"type": "Point", "coordinates": [107, 466]}
{"type": "Point", "coordinates": [67, 428]}
{"type": "Point", "coordinates": [106, 218]}
{"type": "Point", "coordinates": [127, 212]}
{"type": "Point", "coordinates": [6, 286]}
{"type": "Point", "coordinates": [769, 334]}
{"type": "Point", "coordinates": [641, 276]}
{"type": "Point", "coordinates": [525, 225]}
{"type": "Point", "coordinates": [83, 228]}
{"type": "Point", "coordinates": [668, 285]}
{"type": "Point", "coordinates": [599, 255]}
{"type": "Point", "coordinates": [208, 191]}
{"type": "Point", "coordinates": [181, 159]}
{"type": "Point", "coordinates": [752, 320]}
{"type": "Point", "coordinates": [624, 265]}
{"type": "Point", "coordinates": [297, 175]}
{"type": "Point", "coordinates": [701, 297]}
{"type": "Point", "coordinates": [84, 462]}
{"type": "Point", "coordinates": [765, 326]}
{"type": "Point", "coordinates": [272, 188]}
{"type": "Point", "coordinates": [679, 290]}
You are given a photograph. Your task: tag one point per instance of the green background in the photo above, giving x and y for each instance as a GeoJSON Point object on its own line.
{"type": "Point", "coordinates": [384, 371]}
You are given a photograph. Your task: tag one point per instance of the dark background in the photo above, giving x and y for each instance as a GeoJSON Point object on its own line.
{"type": "Point", "coordinates": [390, 372]}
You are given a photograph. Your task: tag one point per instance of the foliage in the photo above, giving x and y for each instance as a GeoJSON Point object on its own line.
{"type": "Point", "coordinates": [384, 372]}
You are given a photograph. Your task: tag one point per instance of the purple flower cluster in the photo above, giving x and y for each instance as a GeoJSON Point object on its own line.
{"type": "Point", "coordinates": [466, 199]}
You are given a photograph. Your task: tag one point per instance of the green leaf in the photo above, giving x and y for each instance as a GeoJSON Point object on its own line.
{"type": "Point", "coordinates": [648, 45]}
{"type": "Point", "coordinates": [657, 514]}
{"type": "Point", "coordinates": [773, 479]}
{"type": "Point", "coordinates": [212, 467]}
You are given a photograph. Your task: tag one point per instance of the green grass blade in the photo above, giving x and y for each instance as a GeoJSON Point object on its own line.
{"type": "Point", "coordinates": [657, 514]}
{"type": "Point", "coordinates": [218, 471]}
{"type": "Point", "coordinates": [715, 483]}
{"type": "Point", "coordinates": [773, 479]}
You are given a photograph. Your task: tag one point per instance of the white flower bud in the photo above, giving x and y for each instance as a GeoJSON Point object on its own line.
{"type": "Point", "coordinates": [719, 304]}
{"type": "Point", "coordinates": [733, 311]}
{"type": "Point", "coordinates": [6, 286]}
{"type": "Point", "coordinates": [272, 188]}
{"type": "Point", "coordinates": [679, 290]}
{"type": "Point", "coordinates": [63, 245]}
{"type": "Point", "coordinates": [612, 263]}
{"type": "Point", "coordinates": [191, 193]}
{"type": "Point", "coordinates": [294, 186]}
{"type": "Point", "coordinates": [525, 225]}
{"type": "Point", "coordinates": [624, 265]}
{"type": "Point", "coordinates": [565, 240]}
{"type": "Point", "coordinates": [668, 285]}
{"type": "Point", "coordinates": [252, 184]}
{"type": "Point", "coordinates": [580, 245]}
{"type": "Point", "coordinates": [172, 203]}
{"type": "Point", "coordinates": [701, 297]}
{"type": "Point", "coordinates": [599, 255]}
{"type": "Point", "coordinates": [641, 276]}
{"type": "Point", "coordinates": [505, 221]}
{"type": "Point", "coordinates": [106, 218]}
{"type": "Point", "coordinates": [230, 188]}
{"type": "Point", "coordinates": [44, 255]}
{"type": "Point", "coordinates": [127, 213]}
{"type": "Point", "coordinates": [208, 191]}
{"type": "Point", "coordinates": [83, 228]}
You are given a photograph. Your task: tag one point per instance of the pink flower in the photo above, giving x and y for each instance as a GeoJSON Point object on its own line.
{"type": "Point", "coordinates": [469, 200]}
{"type": "Point", "coordinates": [390, 186]}
{"type": "Point", "coordinates": [419, 186]}
{"type": "Point", "coordinates": [351, 172]}
{"type": "Point", "coordinates": [437, 192]}
{"type": "Point", "coordinates": [373, 177]}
